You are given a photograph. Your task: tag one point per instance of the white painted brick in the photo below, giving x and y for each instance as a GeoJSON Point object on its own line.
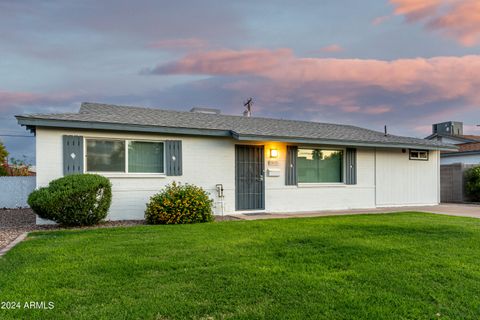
{"type": "Point", "coordinates": [210, 161]}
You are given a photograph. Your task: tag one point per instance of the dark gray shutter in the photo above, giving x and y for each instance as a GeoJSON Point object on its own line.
{"type": "Point", "coordinates": [72, 154]}
{"type": "Point", "coordinates": [173, 157]}
{"type": "Point", "coordinates": [351, 166]}
{"type": "Point", "coordinates": [291, 166]}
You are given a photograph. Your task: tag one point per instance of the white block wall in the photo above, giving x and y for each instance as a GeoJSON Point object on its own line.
{"type": "Point", "coordinates": [206, 162]}
{"type": "Point", "coordinates": [211, 161]}
{"type": "Point", "coordinates": [311, 197]}
{"type": "Point", "coordinates": [400, 181]}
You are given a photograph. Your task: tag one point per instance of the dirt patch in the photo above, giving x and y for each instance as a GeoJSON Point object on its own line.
{"type": "Point", "coordinates": [11, 218]}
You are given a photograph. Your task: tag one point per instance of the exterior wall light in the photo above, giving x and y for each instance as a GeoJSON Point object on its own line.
{"type": "Point", "coordinates": [273, 153]}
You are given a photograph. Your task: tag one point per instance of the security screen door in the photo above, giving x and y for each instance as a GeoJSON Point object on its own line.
{"type": "Point", "coordinates": [249, 177]}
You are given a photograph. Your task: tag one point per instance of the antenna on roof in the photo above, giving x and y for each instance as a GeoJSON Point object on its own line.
{"type": "Point", "coordinates": [248, 105]}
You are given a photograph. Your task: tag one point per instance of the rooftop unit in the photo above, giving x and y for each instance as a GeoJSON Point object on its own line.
{"type": "Point", "coordinates": [450, 128]}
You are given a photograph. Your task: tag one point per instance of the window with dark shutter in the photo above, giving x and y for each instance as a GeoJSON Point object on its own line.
{"type": "Point", "coordinates": [291, 166]}
{"type": "Point", "coordinates": [173, 157]}
{"type": "Point", "coordinates": [351, 166]}
{"type": "Point", "coordinates": [72, 154]}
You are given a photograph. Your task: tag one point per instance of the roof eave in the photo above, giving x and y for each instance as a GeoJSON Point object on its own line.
{"type": "Point", "coordinates": [457, 138]}
{"type": "Point", "coordinates": [89, 125]}
{"type": "Point", "coordinates": [460, 153]}
{"type": "Point", "coordinates": [245, 137]}
{"type": "Point", "coordinates": [32, 123]}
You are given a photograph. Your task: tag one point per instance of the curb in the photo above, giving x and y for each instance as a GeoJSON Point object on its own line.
{"type": "Point", "coordinates": [12, 244]}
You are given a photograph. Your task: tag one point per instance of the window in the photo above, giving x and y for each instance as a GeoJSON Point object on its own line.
{"type": "Point", "coordinates": [419, 155]}
{"type": "Point", "coordinates": [319, 166]}
{"type": "Point", "coordinates": [106, 155]}
{"type": "Point", "coordinates": [124, 156]}
{"type": "Point", "coordinates": [145, 157]}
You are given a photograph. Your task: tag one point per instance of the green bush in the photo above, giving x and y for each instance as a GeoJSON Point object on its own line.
{"type": "Point", "coordinates": [179, 204]}
{"type": "Point", "coordinates": [472, 186]}
{"type": "Point", "coordinates": [74, 200]}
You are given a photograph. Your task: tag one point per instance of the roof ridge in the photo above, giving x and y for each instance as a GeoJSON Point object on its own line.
{"type": "Point", "coordinates": [86, 108]}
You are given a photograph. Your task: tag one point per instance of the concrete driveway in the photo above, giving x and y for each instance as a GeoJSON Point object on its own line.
{"type": "Point", "coordinates": [453, 209]}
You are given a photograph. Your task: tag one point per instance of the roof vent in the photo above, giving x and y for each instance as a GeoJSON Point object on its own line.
{"type": "Point", "coordinates": [205, 110]}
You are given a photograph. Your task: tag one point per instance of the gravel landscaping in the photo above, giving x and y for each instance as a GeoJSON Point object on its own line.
{"type": "Point", "coordinates": [8, 235]}
{"type": "Point", "coordinates": [13, 222]}
{"type": "Point", "coordinates": [16, 217]}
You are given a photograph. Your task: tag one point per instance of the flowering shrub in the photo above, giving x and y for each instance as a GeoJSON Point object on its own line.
{"type": "Point", "coordinates": [179, 204]}
{"type": "Point", "coordinates": [3, 159]}
{"type": "Point", "coordinates": [15, 168]}
{"type": "Point", "coordinates": [472, 186]}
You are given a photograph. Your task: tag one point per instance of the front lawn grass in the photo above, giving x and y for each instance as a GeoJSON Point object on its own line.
{"type": "Point", "coordinates": [389, 266]}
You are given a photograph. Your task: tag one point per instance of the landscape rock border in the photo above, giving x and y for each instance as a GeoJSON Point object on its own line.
{"type": "Point", "coordinates": [12, 244]}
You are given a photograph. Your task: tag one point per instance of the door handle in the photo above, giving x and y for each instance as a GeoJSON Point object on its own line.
{"type": "Point", "coordinates": [260, 178]}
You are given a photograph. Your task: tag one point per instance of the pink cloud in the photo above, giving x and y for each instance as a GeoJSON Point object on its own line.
{"type": "Point", "coordinates": [175, 44]}
{"type": "Point", "coordinates": [226, 62]}
{"type": "Point", "coordinates": [373, 110]}
{"type": "Point", "coordinates": [458, 19]}
{"type": "Point", "coordinates": [415, 10]}
{"type": "Point", "coordinates": [14, 98]}
{"type": "Point", "coordinates": [406, 91]}
{"type": "Point", "coordinates": [379, 20]}
{"type": "Point", "coordinates": [351, 109]}
{"type": "Point", "coordinates": [428, 79]}
{"type": "Point", "coordinates": [462, 22]}
{"type": "Point", "coordinates": [378, 110]}
{"type": "Point", "coordinates": [332, 48]}
{"type": "Point", "coordinates": [10, 101]}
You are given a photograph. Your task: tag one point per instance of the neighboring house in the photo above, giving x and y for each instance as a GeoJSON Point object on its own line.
{"type": "Point", "coordinates": [261, 164]}
{"type": "Point", "coordinates": [452, 132]}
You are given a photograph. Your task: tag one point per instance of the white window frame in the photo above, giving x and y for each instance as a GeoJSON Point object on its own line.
{"type": "Point", "coordinates": [419, 152]}
{"type": "Point", "coordinates": [126, 172]}
{"type": "Point", "coordinates": [313, 184]}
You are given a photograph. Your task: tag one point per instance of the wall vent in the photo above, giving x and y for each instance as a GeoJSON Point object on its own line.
{"type": "Point", "coordinates": [205, 110]}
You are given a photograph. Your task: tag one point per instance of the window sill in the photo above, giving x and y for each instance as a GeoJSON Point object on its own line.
{"type": "Point", "coordinates": [321, 185]}
{"type": "Point", "coordinates": [130, 175]}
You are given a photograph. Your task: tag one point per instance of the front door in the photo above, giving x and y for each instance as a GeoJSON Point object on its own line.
{"type": "Point", "coordinates": [249, 178]}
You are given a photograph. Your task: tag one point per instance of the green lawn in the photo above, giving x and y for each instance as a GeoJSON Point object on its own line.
{"type": "Point", "coordinates": [392, 266]}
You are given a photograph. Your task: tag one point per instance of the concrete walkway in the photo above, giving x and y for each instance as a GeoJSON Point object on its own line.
{"type": "Point", "coordinates": [464, 210]}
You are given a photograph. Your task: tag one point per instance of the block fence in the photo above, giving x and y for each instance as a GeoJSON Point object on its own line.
{"type": "Point", "coordinates": [14, 191]}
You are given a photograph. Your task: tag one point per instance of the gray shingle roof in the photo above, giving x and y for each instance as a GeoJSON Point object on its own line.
{"type": "Point", "coordinates": [113, 117]}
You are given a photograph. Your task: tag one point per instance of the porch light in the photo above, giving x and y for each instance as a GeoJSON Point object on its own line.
{"type": "Point", "coordinates": [273, 153]}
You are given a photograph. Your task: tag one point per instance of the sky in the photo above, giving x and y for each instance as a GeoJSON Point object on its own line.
{"type": "Point", "coordinates": [402, 63]}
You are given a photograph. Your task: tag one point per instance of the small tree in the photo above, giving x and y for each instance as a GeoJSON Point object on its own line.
{"type": "Point", "coordinates": [472, 186]}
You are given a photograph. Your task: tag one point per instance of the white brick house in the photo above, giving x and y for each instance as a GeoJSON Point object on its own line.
{"type": "Point", "coordinates": [260, 164]}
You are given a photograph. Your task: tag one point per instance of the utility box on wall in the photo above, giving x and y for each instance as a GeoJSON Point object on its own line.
{"type": "Point", "coordinates": [273, 172]}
